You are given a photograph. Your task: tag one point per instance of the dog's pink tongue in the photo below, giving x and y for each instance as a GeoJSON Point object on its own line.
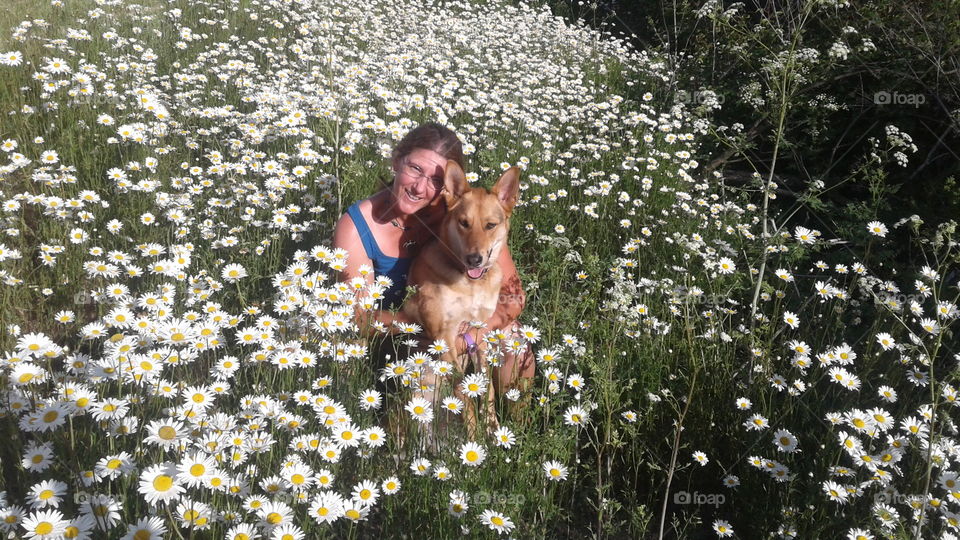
{"type": "Point", "coordinates": [475, 273]}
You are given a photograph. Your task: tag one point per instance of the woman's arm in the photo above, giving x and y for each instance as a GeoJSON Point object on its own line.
{"type": "Point", "coordinates": [345, 236]}
{"type": "Point", "coordinates": [512, 298]}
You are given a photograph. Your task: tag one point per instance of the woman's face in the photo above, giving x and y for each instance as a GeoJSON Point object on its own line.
{"type": "Point", "coordinates": [418, 180]}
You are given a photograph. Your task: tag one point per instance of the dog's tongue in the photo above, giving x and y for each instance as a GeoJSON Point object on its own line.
{"type": "Point", "coordinates": [475, 273]}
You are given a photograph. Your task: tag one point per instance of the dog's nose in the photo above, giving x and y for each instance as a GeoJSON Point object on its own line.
{"type": "Point", "coordinates": [474, 260]}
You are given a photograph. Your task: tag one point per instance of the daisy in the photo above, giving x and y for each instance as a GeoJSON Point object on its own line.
{"type": "Point", "coordinates": [166, 434]}
{"type": "Point", "coordinates": [453, 404]}
{"type": "Point", "coordinates": [34, 343]}
{"type": "Point", "coordinates": [472, 454]}
{"type": "Point", "coordinates": [355, 512]}
{"type": "Point", "coordinates": [420, 409]}
{"type": "Point", "coordinates": [474, 384]}
{"type": "Point", "coordinates": [722, 528]}
{"type": "Point", "coordinates": [835, 492]}
{"type": "Point", "coordinates": [49, 157]}
{"type": "Point", "coordinates": [47, 493]}
{"type": "Point", "coordinates": [326, 507]}
{"type": "Point", "coordinates": [194, 514]}
{"type": "Point", "coordinates": [576, 382]}
{"type": "Point", "coordinates": [27, 373]}
{"type": "Point", "coordinates": [390, 485]}
{"type": "Point", "coordinates": [859, 420]}
{"type": "Point", "coordinates": [104, 511]}
{"type": "Point", "coordinates": [37, 457]}
{"type": "Point", "coordinates": [287, 531]}
{"type": "Point", "coordinates": [242, 531]}
{"type": "Point", "coordinates": [726, 266]}
{"type": "Point", "coordinates": [701, 458]}
{"type": "Point", "coordinates": [346, 435]}
{"type": "Point", "coordinates": [233, 272]}
{"type": "Point", "coordinates": [877, 229]}
{"type": "Point", "coordinates": [44, 524]}
{"type": "Point", "coordinates": [115, 466]}
{"type": "Point", "coordinates": [504, 438]}
{"type": "Point", "coordinates": [441, 472]}
{"type": "Point", "coordinates": [458, 503]}
{"type": "Point", "coordinates": [158, 483]}
{"type": "Point", "coordinates": [743, 404]}
{"type": "Point", "coordinates": [784, 274]}
{"type": "Point", "coordinates": [791, 319]}
{"type": "Point", "coordinates": [109, 409]}
{"type": "Point", "coordinates": [886, 341]}
{"type": "Point", "coordinates": [555, 471]}
{"type": "Point", "coordinates": [50, 417]}
{"type": "Point", "coordinates": [12, 58]}
{"type": "Point", "coordinates": [197, 397]}
{"type": "Point", "coordinates": [930, 326]}
{"type": "Point", "coordinates": [756, 423]}
{"type": "Point", "coordinates": [575, 415]}
{"type": "Point", "coordinates": [370, 399]}
{"type": "Point", "coordinates": [785, 441]}
{"type": "Point", "coordinates": [10, 517]}
{"type": "Point", "coordinates": [881, 418]}
{"type": "Point", "coordinates": [804, 235]}
{"type": "Point", "coordinates": [195, 469]}
{"type": "Point", "coordinates": [81, 527]}
{"type": "Point", "coordinates": [374, 436]}
{"type": "Point", "coordinates": [496, 521]}
{"type": "Point", "coordinates": [274, 514]}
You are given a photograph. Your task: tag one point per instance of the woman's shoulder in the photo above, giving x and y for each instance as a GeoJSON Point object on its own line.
{"type": "Point", "coordinates": [362, 207]}
{"type": "Point", "coordinates": [346, 227]}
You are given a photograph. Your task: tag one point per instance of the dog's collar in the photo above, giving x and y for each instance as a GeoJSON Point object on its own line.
{"type": "Point", "coordinates": [471, 344]}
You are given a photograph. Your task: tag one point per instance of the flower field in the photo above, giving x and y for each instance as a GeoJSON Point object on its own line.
{"type": "Point", "coordinates": [180, 361]}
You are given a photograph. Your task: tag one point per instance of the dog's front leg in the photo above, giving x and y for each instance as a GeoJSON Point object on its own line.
{"type": "Point", "coordinates": [461, 363]}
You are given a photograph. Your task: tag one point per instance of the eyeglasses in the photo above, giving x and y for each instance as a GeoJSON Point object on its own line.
{"type": "Point", "coordinates": [416, 172]}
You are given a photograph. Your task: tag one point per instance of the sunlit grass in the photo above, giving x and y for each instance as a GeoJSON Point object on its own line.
{"type": "Point", "coordinates": [222, 134]}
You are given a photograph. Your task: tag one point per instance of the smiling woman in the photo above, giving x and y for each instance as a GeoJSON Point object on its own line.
{"type": "Point", "coordinates": [384, 232]}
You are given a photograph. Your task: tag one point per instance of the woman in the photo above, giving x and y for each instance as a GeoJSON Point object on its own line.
{"type": "Point", "coordinates": [386, 231]}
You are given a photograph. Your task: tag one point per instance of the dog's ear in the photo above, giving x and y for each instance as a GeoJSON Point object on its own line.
{"type": "Point", "coordinates": [507, 188]}
{"type": "Point", "coordinates": [454, 183]}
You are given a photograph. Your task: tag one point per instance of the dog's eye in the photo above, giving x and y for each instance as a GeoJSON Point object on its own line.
{"type": "Point", "coordinates": [464, 224]}
{"type": "Point", "coordinates": [490, 226]}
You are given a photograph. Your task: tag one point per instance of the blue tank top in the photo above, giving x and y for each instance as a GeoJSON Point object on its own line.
{"type": "Point", "coordinates": [395, 268]}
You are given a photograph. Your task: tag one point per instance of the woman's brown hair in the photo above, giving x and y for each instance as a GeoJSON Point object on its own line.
{"type": "Point", "coordinates": [430, 136]}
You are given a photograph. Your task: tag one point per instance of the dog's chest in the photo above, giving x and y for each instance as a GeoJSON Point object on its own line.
{"type": "Point", "coordinates": [469, 301]}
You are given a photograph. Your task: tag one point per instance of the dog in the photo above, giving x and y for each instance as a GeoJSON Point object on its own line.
{"type": "Point", "coordinates": [456, 276]}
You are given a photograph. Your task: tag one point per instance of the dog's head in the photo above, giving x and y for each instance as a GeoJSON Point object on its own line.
{"type": "Point", "coordinates": [478, 220]}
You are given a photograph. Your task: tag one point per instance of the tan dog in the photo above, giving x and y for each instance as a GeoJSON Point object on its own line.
{"type": "Point", "coordinates": [457, 276]}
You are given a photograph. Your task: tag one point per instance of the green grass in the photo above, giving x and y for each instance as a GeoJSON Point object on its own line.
{"type": "Point", "coordinates": [612, 299]}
